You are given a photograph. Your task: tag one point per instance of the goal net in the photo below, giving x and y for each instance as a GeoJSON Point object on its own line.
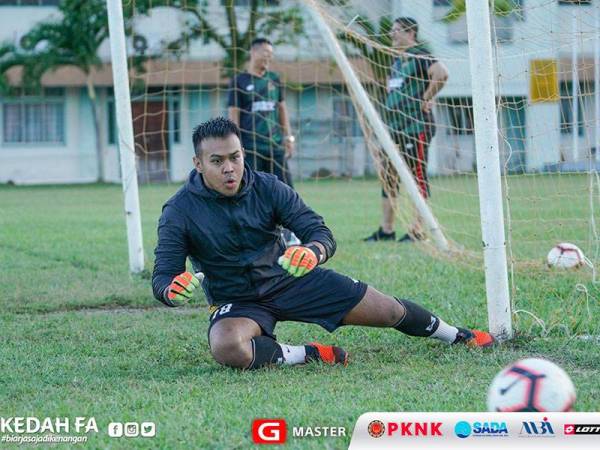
{"type": "Point", "coordinates": [545, 55]}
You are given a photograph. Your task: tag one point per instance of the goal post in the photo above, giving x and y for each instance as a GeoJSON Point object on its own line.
{"type": "Point", "coordinates": [488, 168]}
{"type": "Point", "coordinates": [125, 135]}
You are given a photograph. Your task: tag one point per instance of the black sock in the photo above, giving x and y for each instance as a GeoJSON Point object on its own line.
{"type": "Point", "coordinates": [417, 321]}
{"type": "Point", "coordinates": [265, 351]}
{"type": "Point", "coordinates": [312, 354]}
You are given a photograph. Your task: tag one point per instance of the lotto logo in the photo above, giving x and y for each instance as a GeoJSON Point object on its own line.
{"type": "Point", "coordinates": [269, 431]}
{"type": "Point", "coordinates": [571, 429]}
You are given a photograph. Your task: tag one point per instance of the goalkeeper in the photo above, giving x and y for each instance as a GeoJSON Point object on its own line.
{"type": "Point", "coordinates": [415, 79]}
{"type": "Point", "coordinates": [225, 221]}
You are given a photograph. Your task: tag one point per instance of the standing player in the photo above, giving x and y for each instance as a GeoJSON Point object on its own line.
{"type": "Point", "coordinates": [415, 78]}
{"type": "Point", "coordinates": [257, 106]}
{"type": "Point", "coordinates": [225, 220]}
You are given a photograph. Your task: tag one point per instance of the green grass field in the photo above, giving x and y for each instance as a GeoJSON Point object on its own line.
{"type": "Point", "coordinates": [81, 337]}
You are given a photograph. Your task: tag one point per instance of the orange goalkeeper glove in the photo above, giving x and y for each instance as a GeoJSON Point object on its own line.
{"type": "Point", "coordinates": [299, 260]}
{"type": "Point", "coordinates": [182, 288]}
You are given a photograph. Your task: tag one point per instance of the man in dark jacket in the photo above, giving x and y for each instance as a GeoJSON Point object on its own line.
{"type": "Point", "coordinates": [225, 219]}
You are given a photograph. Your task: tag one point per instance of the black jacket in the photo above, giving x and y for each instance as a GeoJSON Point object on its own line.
{"type": "Point", "coordinates": [235, 240]}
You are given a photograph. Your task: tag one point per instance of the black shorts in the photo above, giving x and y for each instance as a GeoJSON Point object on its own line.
{"type": "Point", "coordinates": [273, 162]}
{"type": "Point", "coordinates": [415, 150]}
{"type": "Point", "coordinates": [322, 296]}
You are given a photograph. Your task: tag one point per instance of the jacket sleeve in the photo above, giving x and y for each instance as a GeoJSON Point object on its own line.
{"type": "Point", "coordinates": [293, 214]}
{"type": "Point", "coordinates": [170, 253]}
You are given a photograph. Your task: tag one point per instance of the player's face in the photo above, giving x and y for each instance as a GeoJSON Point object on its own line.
{"type": "Point", "coordinates": [400, 37]}
{"type": "Point", "coordinates": [221, 164]}
{"type": "Point", "coordinates": [261, 56]}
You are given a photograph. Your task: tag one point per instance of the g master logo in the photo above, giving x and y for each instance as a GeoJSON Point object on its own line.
{"type": "Point", "coordinates": [376, 428]}
{"type": "Point", "coordinates": [269, 431]}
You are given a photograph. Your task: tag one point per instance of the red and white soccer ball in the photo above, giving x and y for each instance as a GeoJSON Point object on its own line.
{"type": "Point", "coordinates": [565, 256]}
{"type": "Point", "coordinates": [532, 384]}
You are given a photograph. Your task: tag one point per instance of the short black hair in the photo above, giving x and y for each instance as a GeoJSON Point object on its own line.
{"type": "Point", "coordinates": [219, 127]}
{"type": "Point", "coordinates": [259, 41]}
{"type": "Point", "coordinates": [408, 24]}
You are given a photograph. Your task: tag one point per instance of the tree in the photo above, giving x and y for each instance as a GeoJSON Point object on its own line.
{"type": "Point", "coordinates": [72, 40]}
{"type": "Point", "coordinates": [275, 23]}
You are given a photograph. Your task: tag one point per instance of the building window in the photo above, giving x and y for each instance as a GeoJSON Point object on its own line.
{"type": "Point", "coordinates": [440, 9]}
{"type": "Point", "coordinates": [502, 29]}
{"type": "Point", "coordinates": [345, 122]}
{"type": "Point", "coordinates": [247, 2]}
{"type": "Point", "coordinates": [518, 9]}
{"type": "Point", "coordinates": [459, 111]}
{"type": "Point", "coordinates": [29, 2]}
{"type": "Point", "coordinates": [176, 118]}
{"type": "Point", "coordinates": [443, 7]}
{"type": "Point", "coordinates": [34, 119]}
{"type": "Point", "coordinates": [574, 2]}
{"type": "Point", "coordinates": [566, 108]}
{"type": "Point", "coordinates": [112, 122]}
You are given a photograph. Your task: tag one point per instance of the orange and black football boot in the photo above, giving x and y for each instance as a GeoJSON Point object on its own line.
{"type": "Point", "coordinates": [329, 354]}
{"type": "Point", "coordinates": [474, 338]}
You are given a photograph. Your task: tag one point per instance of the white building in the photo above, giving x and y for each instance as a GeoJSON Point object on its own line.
{"type": "Point", "coordinates": [51, 138]}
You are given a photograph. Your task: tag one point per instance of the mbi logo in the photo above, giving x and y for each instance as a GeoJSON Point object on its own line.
{"type": "Point", "coordinates": [532, 428]}
{"type": "Point", "coordinates": [465, 429]}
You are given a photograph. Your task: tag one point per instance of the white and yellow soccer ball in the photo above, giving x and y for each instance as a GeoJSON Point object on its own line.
{"type": "Point", "coordinates": [565, 256]}
{"type": "Point", "coordinates": [532, 384]}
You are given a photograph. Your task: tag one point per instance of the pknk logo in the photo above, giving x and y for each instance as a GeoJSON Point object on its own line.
{"type": "Point", "coordinates": [414, 429]}
{"type": "Point", "coordinates": [376, 428]}
{"type": "Point", "coordinates": [269, 431]}
{"type": "Point", "coordinates": [533, 428]}
{"type": "Point", "coordinates": [572, 429]}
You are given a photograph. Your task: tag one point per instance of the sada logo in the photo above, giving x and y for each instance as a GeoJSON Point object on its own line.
{"type": "Point", "coordinates": [462, 429]}
{"type": "Point", "coordinates": [465, 429]}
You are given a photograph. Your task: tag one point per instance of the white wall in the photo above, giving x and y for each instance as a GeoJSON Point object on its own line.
{"type": "Point", "coordinates": [15, 21]}
{"type": "Point", "coordinates": [71, 162]}
{"type": "Point", "coordinates": [545, 33]}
